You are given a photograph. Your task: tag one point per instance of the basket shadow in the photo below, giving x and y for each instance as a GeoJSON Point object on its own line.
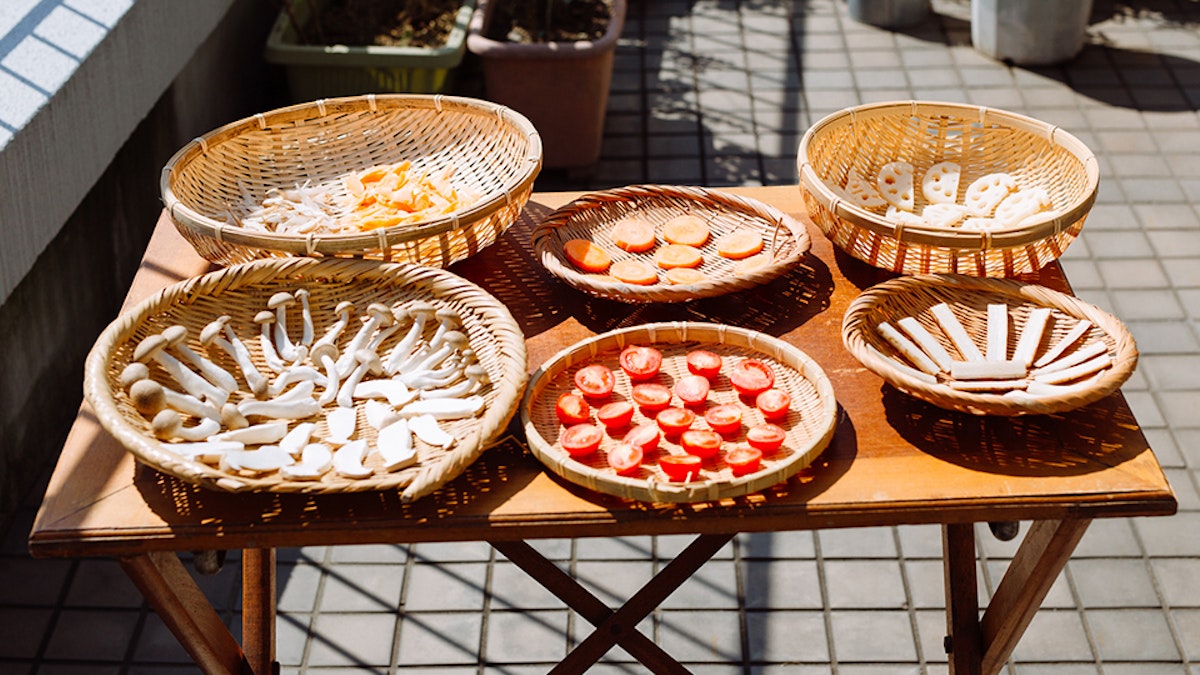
{"type": "Point", "coordinates": [1101, 435]}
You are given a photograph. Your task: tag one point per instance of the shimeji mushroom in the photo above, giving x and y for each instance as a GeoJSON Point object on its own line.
{"type": "Point", "coordinates": [232, 418]}
{"type": "Point", "coordinates": [283, 408]}
{"type": "Point", "coordinates": [233, 346]}
{"type": "Point", "coordinates": [408, 350]}
{"type": "Point", "coordinates": [378, 314]}
{"type": "Point", "coordinates": [476, 375]}
{"type": "Point", "coordinates": [154, 348]}
{"type": "Point", "coordinates": [450, 371]}
{"type": "Point", "coordinates": [450, 343]}
{"type": "Point", "coordinates": [343, 311]}
{"type": "Point", "coordinates": [306, 334]}
{"type": "Point", "coordinates": [448, 320]}
{"type": "Point", "coordinates": [168, 425]}
{"type": "Point", "coordinates": [132, 373]}
{"type": "Point", "coordinates": [279, 304]}
{"type": "Point", "coordinates": [368, 362]}
{"type": "Point", "coordinates": [326, 353]}
{"type": "Point", "coordinates": [150, 397]}
{"type": "Point", "coordinates": [265, 319]}
{"type": "Point", "coordinates": [176, 335]}
{"type": "Point", "coordinates": [291, 375]}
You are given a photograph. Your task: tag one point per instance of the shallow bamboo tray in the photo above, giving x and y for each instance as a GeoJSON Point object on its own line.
{"type": "Point", "coordinates": [968, 298]}
{"type": "Point", "coordinates": [809, 425]}
{"type": "Point", "coordinates": [494, 150]}
{"type": "Point", "coordinates": [591, 217]}
{"type": "Point", "coordinates": [242, 291]}
{"type": "Point", "coordinates": [982, 141]}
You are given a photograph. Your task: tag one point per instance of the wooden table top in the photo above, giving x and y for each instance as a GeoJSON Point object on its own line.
{"type": "Point", "coordinates": [893, 459]}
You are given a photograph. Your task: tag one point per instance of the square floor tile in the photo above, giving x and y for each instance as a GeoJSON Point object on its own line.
{"type": "Point", "coordinates": [872, 637]}
{"type": "Point", "coordinates": [524, 637]}
{"type": "Point", "coordinates": [448, 586]}
{"type": "Point", "coordinates": [787, 636]}
{"type": "Point", "coordinates": [700, 636]}
{"type": "Point", "coordinates": [863, 584]}
{"type": "Point", "coordinates": [1132, 635]}
{"type": "Point", "coordinates": [439, 638]}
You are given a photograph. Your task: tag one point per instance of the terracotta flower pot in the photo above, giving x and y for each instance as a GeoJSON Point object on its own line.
{"type": "Point", "coordinates": [562, 87]}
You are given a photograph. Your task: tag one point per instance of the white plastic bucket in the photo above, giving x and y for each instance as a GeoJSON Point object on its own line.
{"type": "Point", "coordinates": [1029, 32]}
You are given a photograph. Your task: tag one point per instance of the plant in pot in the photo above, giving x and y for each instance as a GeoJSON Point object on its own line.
{"type": "Point", "coordinates": [349, 47]}
{"type": "Point", "coordinates": [552, 61]}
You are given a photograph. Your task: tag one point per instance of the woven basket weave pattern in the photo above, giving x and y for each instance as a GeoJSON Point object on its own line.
{"type": "Point", "coordinates": [494, 152]}
{"type": "Point", "coordinates": [242, 291]}
{"type": "Point", "coordinates": [981, 141]}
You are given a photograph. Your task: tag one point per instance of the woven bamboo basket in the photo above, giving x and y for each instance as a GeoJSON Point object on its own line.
{"type": "Point", "coordinates": [240, 292]}
{"type": "Point", "coordinates": [982, 141]}
{"type": "Point", "coordinates": [592, 216]}
{"type": "Point", "coordinates": [809, 425]}
{"type": "Point", "coordinates": [495, 152]}
{"type": "Point", "coordinates": [968, 299]}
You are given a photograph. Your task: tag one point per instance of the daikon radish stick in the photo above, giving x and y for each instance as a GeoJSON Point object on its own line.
{"type": "Point", "coordinates": [1036, 388]}
{"type": "Point", "coordinates": [1069, 339]}
{"type": "Point", "coordinates": [1031, 335]}
{"type": "Point", "coordinates": [988, 385]}
{"type": "Point", "coordinates": [949, 323]}
{"type": "Point", "coordinates": [997, 332]}
{"type": "Point", "coordinates": [987, 370]}
{"type": "Point", "coordinates": [928, 343]}
{"type": "Point", "coordinates": [1075, 372]}
{"type": "Point", "coordinates": [905, 368]}
{"type": "Point", "coordinates": [1074, 358]}
{"type": "Point", "coordinates": [906, 347]}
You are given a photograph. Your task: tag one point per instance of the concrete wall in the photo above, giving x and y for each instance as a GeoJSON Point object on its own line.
{"type": "Point", "coordinates": [71, 291]}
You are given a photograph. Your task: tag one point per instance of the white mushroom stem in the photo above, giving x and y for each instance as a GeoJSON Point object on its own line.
{"type": "Point", "coordinates": [289, 409]}
{"type": "Point", "coordinates": [453, 341]}
{"type": "Point", "coordinates": [378, 315]}
{"type": "Point", "coordinates": [307, 334]}
{"type": "Point", "coordinates": [343, 310]}
{"type": "Point", "coordinates": [283, 344]}
{"type": "Point", "coordinates": [444, 408]}
{"type": "Point", "coordinates": [476, 377]}
{"type": "Point", "coordinates": [168, 425]}
{"type": "Point", "coordinates": [381, 335]}
{"type": "Point", "coordinates": [233, 346]}
{"type": "Point", "coordinates": [232, 418]}
{"type": "Point", "coordinates": [421, 313]}
{"type": "Point", "coordinates": [292, 375]}
{"type": "Point", "coordinates": [267, 343]}
{"type": "Point", "coordinates": [448, 320]}
{"type": "Point", "coordinates": [215, 374]}
{"type": "Point", "coordinates": [368, 362]}
{"type": "Point", "coordinates": [450, 371]}
{"type": "Point", "coordinates": [255, 434]}
{"type": "Point", "coordinates": [150, 397]}
{"type": "Point", "coordinates": [326, 355]}
{"type": "Point", "coordinates": [152, 348]}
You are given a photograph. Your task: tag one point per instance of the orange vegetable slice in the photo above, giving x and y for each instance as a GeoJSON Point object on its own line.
{"type": "Point", "coordinates": [633, 272]}
{"type": "Point", "coordinates": [587, 255]}
{"type": "Point", "coordinates": [678, 255]}
{"type": "Point", "coordinates": [740, 244]}
{"type": "Point", "coordinates": [685, 275]}
{"type": "Point", "coordinates": [687, 229]}
{"type": "Point", "coordinates": [754, 262]}
{"type": "Point", "coordinates": [634, 235]}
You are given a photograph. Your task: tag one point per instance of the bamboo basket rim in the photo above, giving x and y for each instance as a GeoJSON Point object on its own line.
{"type": "Point", "coordinates": [770, 221]}
{"type": "Point", "coordinates": [266, 276]}
{"type": "Point", "coordinates": [807, 447]}
{"type": "Point", "coordinates": [1121, 345]}
{"type": "Point", "coordinates": [954, 238]}
{"type": "Point", "coordinates": [383, 238]}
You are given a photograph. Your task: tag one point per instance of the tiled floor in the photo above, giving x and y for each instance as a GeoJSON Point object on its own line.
{"type": "Point", "coordinates": [718, 92]}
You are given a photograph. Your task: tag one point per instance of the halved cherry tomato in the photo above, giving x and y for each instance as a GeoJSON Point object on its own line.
{"type": "Point", "coordinates": [680, 467]}
{"type": "Point", "coordinates": [725, 418]}
{"type": "Point", "coordinates": [581, 439]}
{"type": "Point", "coordinates": [752, 377]}
{"type": "Point", "coordinates": [625, 458]}
{"type": "Point", "coordinates": [640, 362]}
{"type": "Point", "coordinates": [774, 403]}
{"type": "Point", "coordinates": [674, 421]}
{"type": "Point", "coordinates": [743, 460]}
{"type": "Point", "coordinates": [766, 437]}
{"type": "Point", "coordinates": [615, 415]}
{"type": "Point", "coordinates": [652, 396]}
{"type": "Point", "coordinates": [644, 436]}
{"type": "Point", "coordinates": [701, 442]}
{"type": "Point", "coordinates": [595, 380]}
{"type": "Point", "coordinates": [572, 409]}
{"type": "Point", "coordinates": [692, 389]}
{"type": "Point", "coordinates": [704, 363]}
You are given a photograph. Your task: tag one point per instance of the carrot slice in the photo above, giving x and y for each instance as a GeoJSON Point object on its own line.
{"type": "Point", "coordinates": [678, 255]}
{"type": "Point", "coordinates": [686, 275]}
{"type": "Point", "coordinates": [587, 255]}
{"type": "Point", "coordinates": [633, 235]}
{"type": "Point", "coordinates": [633, 272]}
{"type": "Point", "coordinates": [740, 244]}
{"type": "Point", "coordinates": [687, 229]}
{"type": "Point", "coordinates": [754, 262]}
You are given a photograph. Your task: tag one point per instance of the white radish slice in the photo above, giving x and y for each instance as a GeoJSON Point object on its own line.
{"type": "Point", "coordinates": [340, 422]}
{"type": "Point", "coordinates": [295, 440]}
{"type": "Point", "coordinates": [208, 452]}
{"type": "Point", "coordinates": [444, 408]}
{"type": "Point", "coordinates": [1074, 358]}
{"type": "Point", "coordinates": [988, 385]}
{"type": "Point", "coordinates": [315, 461]}
{"type": "Point", "coordinates": [263, 460]}
{"type": "Point", "coordinates": [395, 446]}
{"type": "Point", "coordinates": [895, 184]}
{"type": "Point", "coordinates": [348, 460]}
{"type": "Point", "coordinates": [940, 183]}
{"type": "Point", "coordinates": [427, 429]}
{"type": "Point", "coordinates": [1067, 340]}
{"type": "Point", "coordinates": [904, 368]}
{"type": "Point", "coordinates": [986, 192]}
{"type": "Point", "coordinates": [1031, 335]}
{"type": "Point", "coordinates": [1076, 371]}
{"type": "Point", "coordinates": [927, 342]}
{"type": "Point", "coordinates": [256, 434]}
{"type": "Point", "coordinates": [997, 332]}
{"type": "Point", "coordinates": [1037, 388]}
{"type": "Point", "coordinates": [958, 335]}
{"type": "Point", "coordinates": [906, 347]}
{"type": "Point", "coordinates": [987, 370]}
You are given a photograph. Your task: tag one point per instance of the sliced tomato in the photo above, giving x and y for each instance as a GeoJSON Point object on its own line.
{"type": "Point", "coordinates": [595, 380]}
{"type": "Point", "coordinates": [743, 460]}
{"type": "Point", "coordinates": [680, 467]}
{"type": "Point", "coordinates": [725, 418]}
{"type": "Point", "coordinates": [774, 403]}
{"type": "Point", "coordinates": [572, 409]}
{"type": "Point", "coordinates": [701, 442]}
{"type": "Point", "coordinates": [640, 362]}
{"type": "Point", "coordinates": [580, 440]}
{"type": "Point", "coordinates": [674, 421]}
{"type": "Point", "coordinates": [625, 458]}
{"type": "Point", "coordinates": [704, 363]}
{"type": "Point", "coordinates": [615, 415]}
{"type": "Point", "coordinates": [766, 437]}
{"type": "Point", "coordinates": [644, 436]}
{"type": "Point", "coordinates": [651, 396]}
{"type": "Point", "coordinates": [752, 377]}
{"type": "Point", "coordinates": [692, 389]}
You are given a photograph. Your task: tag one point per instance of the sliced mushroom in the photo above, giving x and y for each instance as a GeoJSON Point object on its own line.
{"type": "Point", "coordinates": [295, 440]}
{"type": "Point", "coordinates": [315, 461]}
{"type": "Point", "coordinates": [340, 423]}
{"type": "Point", "coordinates": [265, 319]}
{"type": "Point", "coordinates": [396, 392]}
{"type": "Point", "coordinates": [476, 375]}
{"type": "Point", "coordinates": [395, 446]}
{"type": "Point", "coordinates": [261, 460]}
{"type": "Point", "coordinates": [295, 408]}
{"type": "Point", "coordinates": [427, 429]}
{"type": "Point", "coordinates": [284, 346]}
{"type": "Point", "coordinates": [218, 376]}
{"type": "Point", "coordinates": [348, 460]}
{"type": "Point", "coordinates": [306, 334]}
{"type": "Point", "coordinates": [379, 414]}
{"type": "Point", "coordinates": [368, 362]}
{"type": "Point", "coordinates": [255, 434]}
{"type": "Point", "coordinates": [168, 426]}
{"type": "Point", "coordinates": [150, 397]}
{"type": "Point", "coordinates": [209, 452]}
{"type": "Point", "coordinates": [233, 346]}
{"type": "Point", "coordinates": [444, 408]}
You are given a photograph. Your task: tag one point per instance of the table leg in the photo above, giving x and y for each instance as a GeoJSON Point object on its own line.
{"type": "Point", "coordinates": [258, 609]}
{"type": "Point", "coordinates": [963, 643]}
{"type": "Point", "coordinates": [174, 595]}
